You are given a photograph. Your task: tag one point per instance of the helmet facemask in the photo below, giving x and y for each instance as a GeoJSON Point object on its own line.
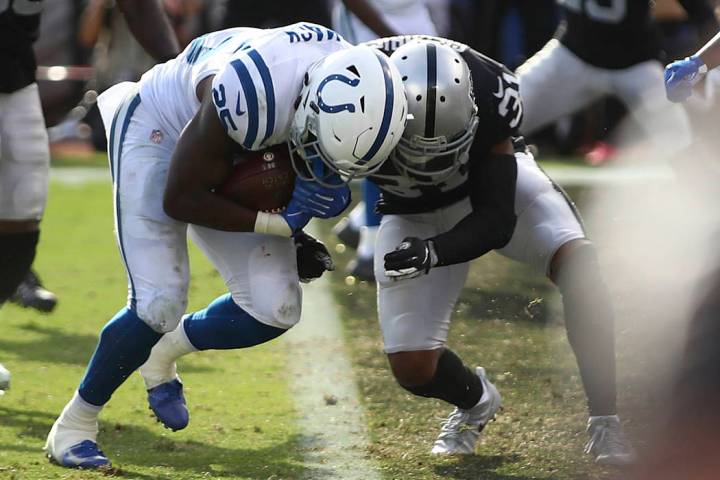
{"type": "Point", "coordinates": [438, 86]}
{"type": "Point", "coordinates": [430, 161]}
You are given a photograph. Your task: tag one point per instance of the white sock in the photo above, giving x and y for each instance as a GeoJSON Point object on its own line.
{"type": "Point", "coordinates": [366, 246]}
{"type": "Point", "coordinates": [160, 367]}
{"type": "Point", "coordinates": [77, 422]}
{"type": "Point", "coordinates": [357, 216]}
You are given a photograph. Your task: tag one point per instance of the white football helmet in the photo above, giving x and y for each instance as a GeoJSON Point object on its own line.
{"type": "Point", "coordinates": [350, 115]}
{"type": "Point", "coordinates": [442, 107]}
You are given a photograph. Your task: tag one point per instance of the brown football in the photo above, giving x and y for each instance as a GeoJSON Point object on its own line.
{"type": "Point", "coordinates": [261, 180]}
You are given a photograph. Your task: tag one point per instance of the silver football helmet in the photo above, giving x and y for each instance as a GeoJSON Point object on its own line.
{"type": "Point", "coordinates": [439, 90]}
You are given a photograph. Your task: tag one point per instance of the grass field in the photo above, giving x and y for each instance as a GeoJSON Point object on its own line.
{"type": "Point", "coordinates": [244, 417]}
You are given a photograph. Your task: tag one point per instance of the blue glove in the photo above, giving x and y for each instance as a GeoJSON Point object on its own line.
{"type": "Point", "coordinates": [295, 216]}
{"type": "Point", "coordinates": [320, 201]}
{"type": "Point", "coordinates": [681, 76]}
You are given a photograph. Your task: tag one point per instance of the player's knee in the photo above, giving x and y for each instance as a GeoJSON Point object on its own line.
{"type": "Point", "coordinates": [280, 306]}
{"type": "Point", "coordinates": [412, 369]}
{"type": "Point", "coordinates": [163, 311]}
{"type": "Point", "coordinates": [573, 262]}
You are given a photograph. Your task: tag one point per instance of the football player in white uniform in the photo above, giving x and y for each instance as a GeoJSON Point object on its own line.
{"type": "Point", "coordinates": [171, 137]}
{"type": "Point", "coordinates": [24, 152]}
{"type": "Point", "coordinates": [458, 186]}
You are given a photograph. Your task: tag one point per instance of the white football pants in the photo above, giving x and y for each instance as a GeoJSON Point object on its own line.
{"type": "Point", "coordinates": [24, 155]}
{"type": "Point", "coordinates": [555, 83]}
{"type": "Point", "coordinates": [415, 313]}
{"type": "Point", "coordinates": [259, 270]}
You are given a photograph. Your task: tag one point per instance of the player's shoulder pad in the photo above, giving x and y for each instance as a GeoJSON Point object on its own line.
{"type": "Point", "coordinates": [244, 99]}
{"type": "Point", "coordinates": [389, 44]}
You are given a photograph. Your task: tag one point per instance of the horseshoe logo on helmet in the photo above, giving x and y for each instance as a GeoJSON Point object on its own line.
{"type": "Point", "coordinates": [353, 82]}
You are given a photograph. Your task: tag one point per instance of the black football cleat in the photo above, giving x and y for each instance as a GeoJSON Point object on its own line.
{"type": "Point", "coordinates": [347, 233]}
{"type": "Point", "coordinates": [31, 294]}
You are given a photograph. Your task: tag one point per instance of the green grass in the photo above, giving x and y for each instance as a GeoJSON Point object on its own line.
{"type": "Point", "coordinates": [507, 320]}
{"type": "Point", "coordinates": [243, 418]}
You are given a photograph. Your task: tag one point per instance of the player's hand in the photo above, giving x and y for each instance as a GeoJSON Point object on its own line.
{"type": "Point", "coordinates": [295, 216]}
{"type": "Point", "coordinates": [313, 258]}
{"type": "Point", "coordinates": [321, 201]}
{"type": "Point", "coordinates": [681, 76]}
{"type": "Point", "coordinates": [412, 258]}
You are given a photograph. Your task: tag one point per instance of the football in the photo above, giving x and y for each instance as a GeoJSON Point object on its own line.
{"type": "Point", "coordinates": [261, 180]}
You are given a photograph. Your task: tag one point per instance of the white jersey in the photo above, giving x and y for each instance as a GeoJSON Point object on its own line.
{"type": "Point", "coordinates": [258, 75]}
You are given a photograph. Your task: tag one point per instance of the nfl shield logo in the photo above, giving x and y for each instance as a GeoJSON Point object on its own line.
{"type": "Point", "coordinates": [156, 136]}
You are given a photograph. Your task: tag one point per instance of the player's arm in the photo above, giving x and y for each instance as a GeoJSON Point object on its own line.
{"type": "Point", "coordinates": [151, 27]}
{"type": "Point", "coordinates": [370, 16]}
{"type": "Point", "coordinates": [491, 223]}
{"type": "Point", "coordinates": [489, 226]}
{"type": "Point", "coordinates": [202, 161]}
{"type": "Point", "coordinates": [702, 14]}
{"type": "Point", "coordinates": [682, 75]}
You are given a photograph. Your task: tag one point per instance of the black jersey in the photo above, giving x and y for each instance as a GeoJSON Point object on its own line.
{"type": "Point", "coordinates": [617, 34]}
{"type": "Point", "coordinates": [19, 28]}
{"type": "Point", "coordinates": [499, 112]}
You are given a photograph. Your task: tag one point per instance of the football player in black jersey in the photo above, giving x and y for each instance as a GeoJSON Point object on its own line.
{"type": "Point", "coordinates": [607, 47]}
{"type": "Point", "coordinates": [457, 186]}
{"type": "Point", "coordinates": [24, 154]}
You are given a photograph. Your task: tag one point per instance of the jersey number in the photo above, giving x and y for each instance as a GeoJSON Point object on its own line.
{"type": "Point", "coordinates": [22, 7]}
{"type": "Point", "coordinates": [613, 11]}
{"type": "Point", "coordinates": [510, 106]}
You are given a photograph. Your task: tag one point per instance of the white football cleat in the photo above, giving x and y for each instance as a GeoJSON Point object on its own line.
{"type": "Point", "coordinates": [608, 443]}
{"type": "Point", "coordinates": [4, 378]}
{"type": "Point", "coordinates": [72, 438]}
{"type": "Point", "coordinates": [74, 448]}
{"type": "Point", "coordinates": [460, 432]}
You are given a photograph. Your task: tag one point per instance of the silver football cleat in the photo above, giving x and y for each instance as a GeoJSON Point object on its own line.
{"type": "Point", "coordinates": [460, 432]}
{"type": "Point", "coordinates": [608, 443]}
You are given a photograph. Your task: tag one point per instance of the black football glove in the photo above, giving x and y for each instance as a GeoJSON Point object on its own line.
{"type": "Point", "coordinates": [413, 257]}
{"type": "Point", "coordinates": [313, 259]}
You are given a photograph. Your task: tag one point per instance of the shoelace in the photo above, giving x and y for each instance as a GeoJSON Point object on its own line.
{"type": "Point", "coordinates": [455, 424]}
{"type": "Point", "coordinates": [610, 434]}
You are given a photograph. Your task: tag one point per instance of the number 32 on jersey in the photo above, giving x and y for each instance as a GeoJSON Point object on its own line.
{"type": "Point", "coordinates": [612, 11]}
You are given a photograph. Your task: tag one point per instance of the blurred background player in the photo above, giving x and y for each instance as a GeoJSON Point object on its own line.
{"type": "Point", "coordinates": [607, 48]}
{"type": "Point", "coordinates": [361, 21]}
{"type": "Point", "coordinates": [177, 130]}
{"type": "Point", "coordinates": [458, 186]}
{"type": "Point", "coordinates": [24, 153]}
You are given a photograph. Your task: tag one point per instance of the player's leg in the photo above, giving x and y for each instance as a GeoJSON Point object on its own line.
{"type": "Point", "coordinates": [554, 83]}
{"type": "Point", "coordinates": [414, 319]}
{"type": "Point", "coordinates": [641, 88]}
{"type": "Point", "coordinates": [153, 248]}
{"type": "Point", "coordinates": [264, 302]}
{"type": "Point", "coordinates": [549, 236]}
{"type": "Point", "coordinates": [24, 163]}
{"type": "Point", "coordinates": [362, 265]}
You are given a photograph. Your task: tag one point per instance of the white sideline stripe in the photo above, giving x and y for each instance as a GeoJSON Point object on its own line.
{"type": "Point", "coordinates": [336, 437]}
{"type": "Point", "coordinates": [80, 175]}
{"type": "Point", "coordinates": [564, 175]}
